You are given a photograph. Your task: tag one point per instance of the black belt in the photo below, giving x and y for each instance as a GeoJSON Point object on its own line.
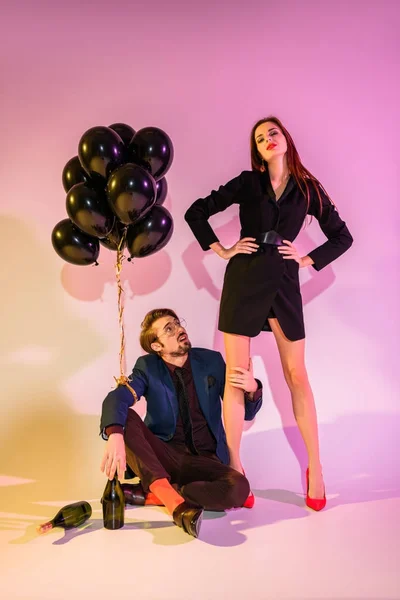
{"type": "Point", "coordinates": [270, 238]}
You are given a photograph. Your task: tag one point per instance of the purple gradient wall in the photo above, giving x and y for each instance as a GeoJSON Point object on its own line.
{"type": "Point", "coordinates": [204, 74]}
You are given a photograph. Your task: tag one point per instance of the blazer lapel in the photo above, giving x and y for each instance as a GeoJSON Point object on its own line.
{"type": "Point", "coordinates": [267, 189]}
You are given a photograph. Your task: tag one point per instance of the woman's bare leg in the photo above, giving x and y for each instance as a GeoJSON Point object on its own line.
{"type": "Point", "coordinates": [237, 350]}
{"type": "Point", "coordinates": [294, 369]}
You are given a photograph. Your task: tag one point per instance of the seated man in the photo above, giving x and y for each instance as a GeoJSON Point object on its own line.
{"type": "Point", "coordinates": [179, 452]}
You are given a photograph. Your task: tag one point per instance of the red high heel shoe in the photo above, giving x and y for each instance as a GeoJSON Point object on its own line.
{"type": "Point", "coordinates": [250, 500]}
{"type": "Point", "coordinates": [314, 503]}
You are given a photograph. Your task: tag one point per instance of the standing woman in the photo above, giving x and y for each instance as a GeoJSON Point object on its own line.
{"type": "Point", "coordinates": [261, 290]}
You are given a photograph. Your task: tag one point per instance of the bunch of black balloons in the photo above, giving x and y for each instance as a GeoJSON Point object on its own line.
{"type": "Point", "coordinates": [115, 190]}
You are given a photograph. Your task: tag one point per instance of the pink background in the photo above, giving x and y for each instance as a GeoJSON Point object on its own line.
{"type": "Point", "coordinates": [204, 74]}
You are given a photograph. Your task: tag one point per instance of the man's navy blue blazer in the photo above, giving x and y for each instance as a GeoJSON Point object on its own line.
{"type": "Point", "coordinates": [151, 378]}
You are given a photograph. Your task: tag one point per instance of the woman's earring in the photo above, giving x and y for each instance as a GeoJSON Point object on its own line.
{"type": "Point", "coordinates": [262, 165]}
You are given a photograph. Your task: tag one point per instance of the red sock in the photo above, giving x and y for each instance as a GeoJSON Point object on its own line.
{"type": "Point", "coordinates": [164, 491]}
{"type": "Point", "coordinates": [152, 500]}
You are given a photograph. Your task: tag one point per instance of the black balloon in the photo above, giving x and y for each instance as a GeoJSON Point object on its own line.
{"type": "Point", "coordinates": [100, 151]}
{"type": "Point", "coordinates": [162, 191]}
{"type": "Point", "coordinates": [73, 245]}
{"type": "Point", "coordinates": [114, 238]}
{"type": "Point", "coordinates": [152, 148]}
{"type": "Point", "coordinates": [131, 192]}
{"type": "Point", "coordinates": [73, 173]}
{"type": "Point", "coordinates": [151, 233]}
{"type": "Point", "coordinates": [88, 209]}
{"type": "Point", "coordinates": [124, 131]}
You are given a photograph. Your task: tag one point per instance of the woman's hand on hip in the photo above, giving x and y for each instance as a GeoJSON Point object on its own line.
{"type": "Point", "coordinates": [246, 245]}
{"type": "Point", "coordinates": [290, 252]}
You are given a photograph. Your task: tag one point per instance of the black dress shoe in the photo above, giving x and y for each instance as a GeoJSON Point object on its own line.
{"type": "Point", "coordinates": [134, 494]}
{"type": "Point", "coordinates": [189, 518]}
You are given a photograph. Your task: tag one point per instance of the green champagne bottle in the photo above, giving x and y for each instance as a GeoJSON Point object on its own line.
{"type": "Point", "coordinates": [68, 517]}
{"type": "Point", "coordinates": [113, 502]}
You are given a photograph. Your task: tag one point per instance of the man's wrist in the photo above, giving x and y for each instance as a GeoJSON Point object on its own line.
{"type": "Point", "coordinates": [254, 396]}
{"type": "Point", "coordinates": [112, 429]}
{"type": "Point", "coordinates": [254, 386]}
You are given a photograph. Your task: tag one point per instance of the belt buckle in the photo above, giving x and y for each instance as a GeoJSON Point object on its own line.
{"type": "Point", "coordinates": [272, 238]}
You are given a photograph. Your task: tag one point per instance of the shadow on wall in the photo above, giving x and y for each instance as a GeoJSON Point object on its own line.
{"type": "Point", "coordinates": [41, 345]}
{"type": "Point", "coordinates": [144, 275]}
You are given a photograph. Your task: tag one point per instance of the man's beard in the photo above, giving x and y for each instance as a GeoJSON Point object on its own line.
{"type": "Point", "coordinates": [182, 349]}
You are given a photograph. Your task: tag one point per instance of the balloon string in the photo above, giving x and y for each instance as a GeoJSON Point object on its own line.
{"type": "Point", "coordinates": [122, 379]}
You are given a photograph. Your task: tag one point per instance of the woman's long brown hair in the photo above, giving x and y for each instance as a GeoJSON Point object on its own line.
{"type": "Point", "coordinates": [302, 175]}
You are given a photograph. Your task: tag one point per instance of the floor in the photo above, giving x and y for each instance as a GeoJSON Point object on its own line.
{"type": "Point", "coordinates": [278, 550]}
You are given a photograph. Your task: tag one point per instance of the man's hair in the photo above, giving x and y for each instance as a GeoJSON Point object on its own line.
{"type": "Point", "coordinates": [147, 335]}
